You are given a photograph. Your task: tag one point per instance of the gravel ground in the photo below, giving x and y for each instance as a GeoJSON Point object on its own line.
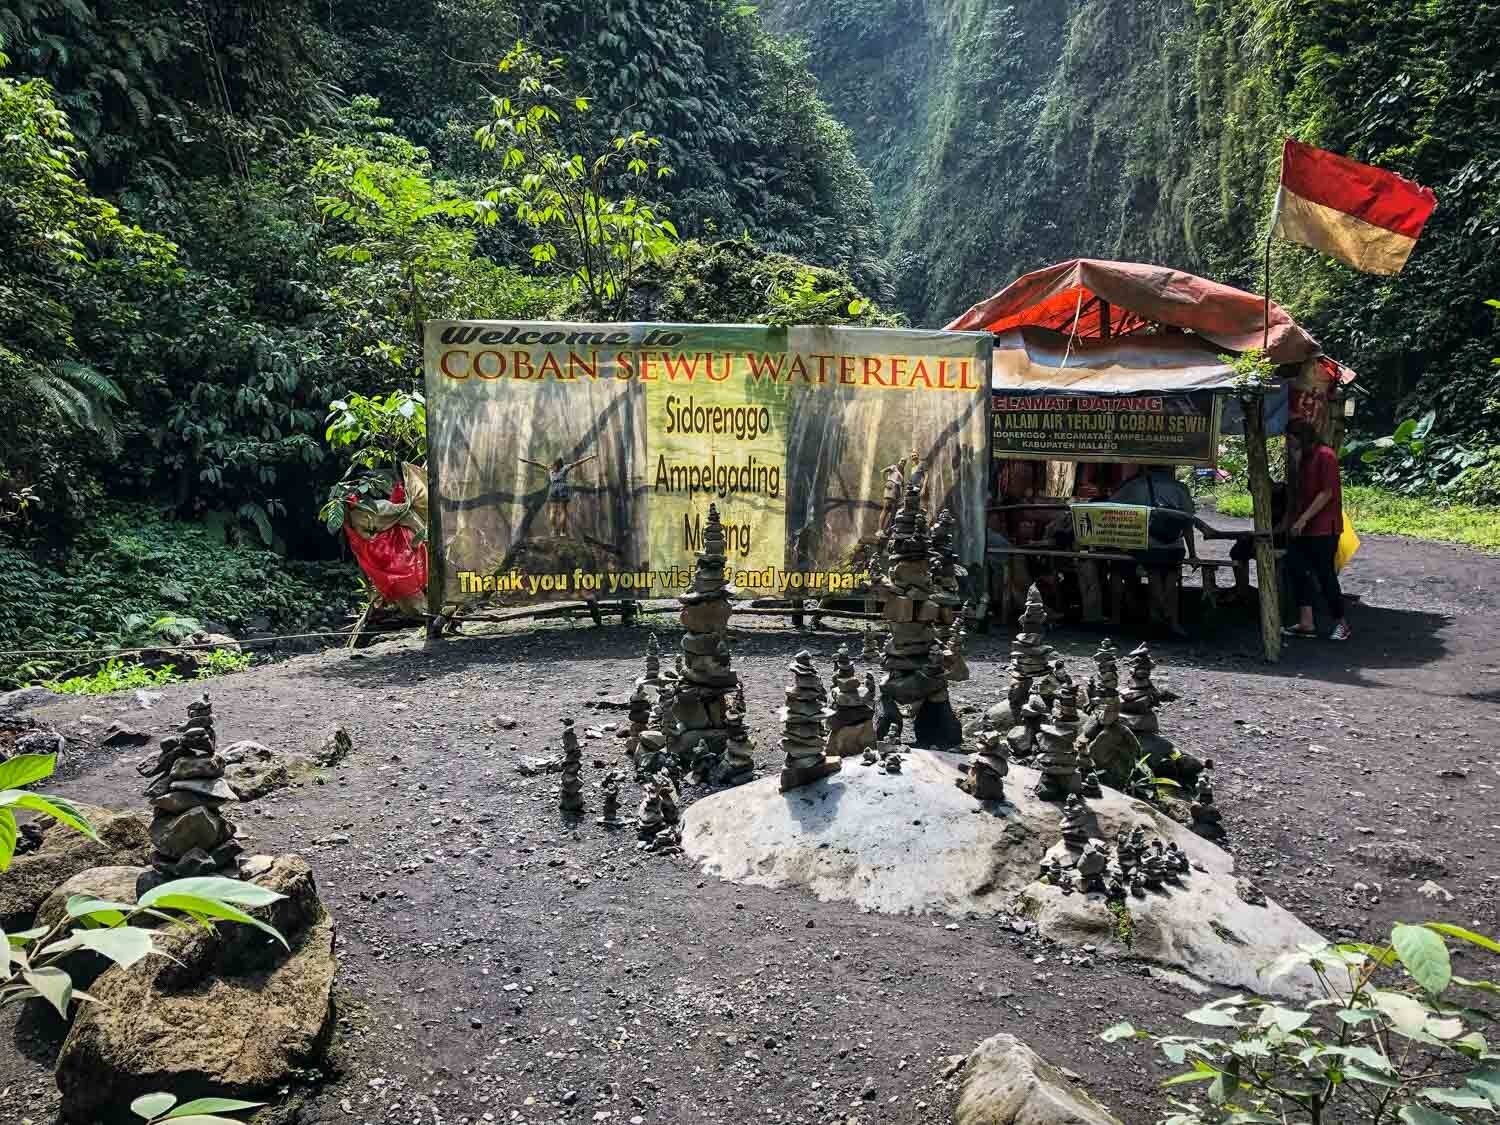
{"type": "Point", "coordinates": [501, 965]}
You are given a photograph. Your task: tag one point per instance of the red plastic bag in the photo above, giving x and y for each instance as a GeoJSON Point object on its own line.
{"type": "Point", "coordinates": [396, 567]}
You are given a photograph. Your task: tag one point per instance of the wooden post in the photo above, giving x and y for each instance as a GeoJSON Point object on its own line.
{"type": "Point", "coordinates": [1267, 583]}
{"type": "Point", "coordinates": [437, 569]}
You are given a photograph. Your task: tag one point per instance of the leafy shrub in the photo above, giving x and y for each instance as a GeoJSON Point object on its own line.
{"type": "Point", "coordinates": [1378, 1046]}
{"type": "Point", "coordinates": [133, 565]}
{"type": "Point", "coordinates": [116, 675]}
{"type": "Point", "coordinates": [221, 662]}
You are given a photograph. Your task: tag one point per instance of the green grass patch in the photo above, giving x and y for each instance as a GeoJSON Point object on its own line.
{"type": "Point", "coordinates": [122, 675]}
{"type": "Point", "coordinates": [1374, 511]}
{"type": "Point", "coordinates": [1124, 927]}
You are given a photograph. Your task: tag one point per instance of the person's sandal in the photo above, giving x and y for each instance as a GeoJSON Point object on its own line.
{"type": "Point", "coordinates": [1297, 631]}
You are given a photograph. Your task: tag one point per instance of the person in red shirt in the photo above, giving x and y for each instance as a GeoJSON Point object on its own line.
{"type": "Point", "coordinates": [1317, 521]}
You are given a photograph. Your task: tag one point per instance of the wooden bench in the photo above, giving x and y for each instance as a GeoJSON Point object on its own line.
{"type": "Point", "coordinates": [1007, 597]}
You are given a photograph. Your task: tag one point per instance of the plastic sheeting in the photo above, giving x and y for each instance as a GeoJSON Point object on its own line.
{"type": "Point", "coordinates": [1098, 299]}
{"type": "Point", "coordinates": [1040, 359]}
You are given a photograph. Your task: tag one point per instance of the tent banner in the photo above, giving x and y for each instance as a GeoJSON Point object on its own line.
{"type": "Point", "coordinates": [1146, 429]}
{"type": "Point", "coordinates": [578, 461]}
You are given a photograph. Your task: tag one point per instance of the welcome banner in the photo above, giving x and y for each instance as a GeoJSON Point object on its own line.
{"type": "Point", "coordinates": [578, 461]}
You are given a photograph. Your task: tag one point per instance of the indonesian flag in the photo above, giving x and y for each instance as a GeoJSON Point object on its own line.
{"type": "Point", "coordinates": [1363, 216]}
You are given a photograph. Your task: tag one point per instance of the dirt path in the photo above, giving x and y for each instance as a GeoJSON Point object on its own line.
{"type": "Point", "coordinates": [501, 966]}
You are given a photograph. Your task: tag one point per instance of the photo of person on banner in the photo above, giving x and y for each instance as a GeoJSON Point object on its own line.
{"type": "Point", "coordinates": [558, 492]}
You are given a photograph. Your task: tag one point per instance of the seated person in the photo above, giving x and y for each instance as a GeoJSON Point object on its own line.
{"type": "Point", "coordinates": [1244, 543]}
{"type": "Point", "coordinates": [1169, 532]}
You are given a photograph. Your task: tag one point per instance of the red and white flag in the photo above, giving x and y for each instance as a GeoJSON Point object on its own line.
{"type": "Point", "coordinates": [1363, 216]}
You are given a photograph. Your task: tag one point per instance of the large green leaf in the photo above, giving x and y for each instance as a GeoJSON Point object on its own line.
{"type": "Point", "coordinates": [52, 985]}
{"type": "Point", "coordinates": [213, 887]}
{"type": "Point", "coordinates": [211, 908]}
{"type": "Point", "coordinates": [124, 945]}
{"type": "Point", "coordinates": [1421, 1115]}
{"type": "Point", "coordinates": [24, 769]}
{"type": "Point", "coordinates": [1212, 1017]}
{"type": "Point", "coordinates": [64, 811]}
{"type": "Point", "coordinates": [8, 834]}
{"type": "Point", "coordinates": [100, 909]}
{"type": "Point", "coordinates": [1486, 1079]}
{"type": "Point", "coordinates": [152, 1105]}
{"type": "Point", "coordinates": [211, 1105]}
{"type": "Point", "coordinates": [1464, 935]}
{"type": "Point", "coordinates": [1119, 1031]}
{"type": "Point", "coordinates": [1458, 1098]}
{"type": "Point", "coordinates": [1424, 955]}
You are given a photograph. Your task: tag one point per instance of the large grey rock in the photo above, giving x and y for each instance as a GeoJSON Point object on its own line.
{"type": "Point", "coordinates": [256, 770]}
{"type": "Point", "coordinates": [123, 841]}
{"type": "Point", "coordinates": [229, 1013]}
{"type": "Point", "coordinates": [116, 884]}
{"type": "Point", "coordinates": [23, 699]}
{"type": "Point", "coordinates": [1007, 1083]}
{"type": "Point", "coordinates": [914, 843]}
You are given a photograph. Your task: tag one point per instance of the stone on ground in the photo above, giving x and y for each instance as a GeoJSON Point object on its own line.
{"type": "Point", "coordinates": [63, 853]}
{"type": "Point", "coordinates": [915, 843]}
{"type": "Point", "coordinates": [1007, 1083]}
{"type": "Point", "coordinates": [226, 1013]}
{"type": "Point", "coordinates": [114, 883]}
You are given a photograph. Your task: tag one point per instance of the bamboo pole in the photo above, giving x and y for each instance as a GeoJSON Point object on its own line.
{"type": "Point", "coordinates": [1267, 582]}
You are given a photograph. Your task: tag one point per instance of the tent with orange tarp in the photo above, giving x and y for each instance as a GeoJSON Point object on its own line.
{"type": "Point", "coordinates": [1087, 299]}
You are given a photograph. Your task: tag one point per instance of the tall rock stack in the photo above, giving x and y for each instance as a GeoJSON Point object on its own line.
{"type": "Point", "coordinates": [706, 676]}
{"type": "Point", "coordinates": [1028, 660]}
{"type": "Point", "coordinates": [1058, 761]}
{"type": "Point", "coordinates": [871, 653]}
{"type": "Point", "coordinates": [802, 735]}
{"type": "Point", "coordinates": [913, 672]}
{"type": "Point", "coordinates": [739, 761]}
{"type": "Point", "coordinates": [570, 789]}
{"type": "Point", "coordinates": [652, 678]}
{"type": "Point", "coordinates": [189, 833]}
{"type": "Point", "coordinates": [946, 573]}
{"type": "Point", "coordinates": [851, 719]}
{"type": "Point", "coordinates": [639, 716]}
{"type": "Point", "coordinates": [1111, 746]}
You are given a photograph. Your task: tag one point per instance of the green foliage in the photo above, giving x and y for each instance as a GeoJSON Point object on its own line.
{"type": "Point", "coordinates": [221, 662]}
{"type": "Point", "coordinates": [1002, 137]}
{"type": "Point", "coordinates": [31, 961]}
{"type": "Point", "coordinates": [1253, 370]}
{"type": "Point", "coordinates": [1377, 512]}
{"type": "Point", "coordinates": [738, 282]}
{"type": "Point", "coordinates": [116, 675]}
{"type": "Point", "coordinates": [1376, 1045]}
{"type": "Point", "coordinates": [157, 1109]}
{"type": "Point", "coordinates": [67, 264]}
{"type": "Point", "coordinates": [18, 771]}
{"type": "Point", "coordinates": [133, 568]}
{"type": "Point", "coordinates": [379, 433]}
{"type": "Point", "coordinates": [587, 210]}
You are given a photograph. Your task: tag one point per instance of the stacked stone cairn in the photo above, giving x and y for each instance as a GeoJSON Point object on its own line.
{"type": "Point", "coordinates": [1092, 865]}
{"type": "Point", "coordinates": [739, 761]}
{"type": "Point", "coordinates": [1078, 825]}
{"type": "Point", "coordinates": [851, 718]}
{"type": "Point", "coordinates": [914, 674]}
{"type": "Point", "coordinates": [706, 678]}
{"type": "Point", "coordinates": [803, 738]}
{"type": "Point", "coordinates": [871, 653]}
{"type": "Point", "coordinates": [1112, 746]}
{"type": "Point", "coordinates": [638, 718]}
{"type": "Point", "coordinates": [1058, 760]}
{"type": "Point", "coordinates": [1208, 820]}
{"type": "Point", "coordinates": [946, 573]}
{"type": "Point", "coordinates": [1029, 653]}
{"type": "Point", "coordinates": [1023, 738]}
{"type": "Point", "coordinates": [985, 780]}
{"type": "Point", "coordinates": [609, 790]}
{"type": "Point", "coordinates": [189, 834]}
{"type": "Point", "coordinates": [1138, 713]}
{"type": "Point", "coordinates": [652, 678]}
{"type": "Point", "coordinates": [570, 789]}
{"type": "Point", "coordinates": [651, 743]}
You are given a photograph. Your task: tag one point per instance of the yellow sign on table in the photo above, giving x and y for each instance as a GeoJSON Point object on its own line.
{"type": "Point", "coordinates": [1119, 527]}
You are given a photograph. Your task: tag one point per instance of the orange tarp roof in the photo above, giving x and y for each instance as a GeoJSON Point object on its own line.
{"type": "Point", "coordinates": [1131, 295]}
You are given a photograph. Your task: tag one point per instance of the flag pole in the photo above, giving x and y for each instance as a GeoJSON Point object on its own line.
{"type": "Point", "coordinates": [1259, 471]}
